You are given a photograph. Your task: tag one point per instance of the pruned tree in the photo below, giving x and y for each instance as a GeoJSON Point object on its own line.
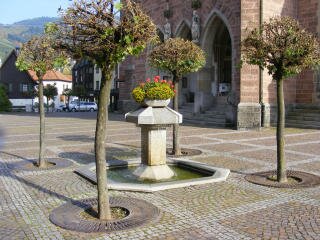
{"type": "Point", "coordinates": [68, 93]}
{"type": "Point", "coordinates": [50, 91]}
{"type": "Point", "coordinates": [38, 55]}
{"type": "Point", "coordinates": [285, 49]}
{"type": "Point", "coordinates": [95, 29]}
{"type": "Point", "coordinates": [179, 57]}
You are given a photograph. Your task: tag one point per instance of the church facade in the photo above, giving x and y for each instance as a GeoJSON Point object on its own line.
{"type": "Point", "coordinates": [247, 94]}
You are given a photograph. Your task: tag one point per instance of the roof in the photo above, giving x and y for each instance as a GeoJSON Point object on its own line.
{"type": "Point", "coordinates": [8, 56]}
{"type": "Point", "coordinates": [52, 75]}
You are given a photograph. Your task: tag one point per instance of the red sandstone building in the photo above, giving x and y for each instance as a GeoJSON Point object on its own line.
{"type": "Point", "coordinates": [223, 24]}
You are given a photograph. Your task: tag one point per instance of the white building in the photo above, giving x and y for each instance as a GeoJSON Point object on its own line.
{"type": "Point", "coordinates": [58, 79]}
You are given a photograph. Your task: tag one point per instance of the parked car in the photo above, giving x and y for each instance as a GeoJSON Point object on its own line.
{"type": "Point", "coordinates": [84, 106]}
{"type": "Point", "coordinates": [61, 108]}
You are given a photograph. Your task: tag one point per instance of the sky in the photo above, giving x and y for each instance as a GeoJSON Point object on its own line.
{"type": "Point", "coordinates": [16, 10]}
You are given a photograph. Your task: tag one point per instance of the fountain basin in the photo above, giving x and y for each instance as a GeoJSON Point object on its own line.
{"type": "Point", "coordinates": [190, 173]}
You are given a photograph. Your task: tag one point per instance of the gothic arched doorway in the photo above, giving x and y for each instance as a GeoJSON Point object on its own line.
{"type": "Point", "coordinates": [215, 79]}
{"type": "Point", "coordinates": [188, 82]}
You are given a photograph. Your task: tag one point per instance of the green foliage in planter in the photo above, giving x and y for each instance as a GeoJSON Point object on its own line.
{"type": "Point", "coordinates": [153, 90]}
{"type": "Point", "coordinates": [138, 94]}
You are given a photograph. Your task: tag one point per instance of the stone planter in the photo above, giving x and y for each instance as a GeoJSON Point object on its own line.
{"type": "Point", "coordinates": [156, 103]}
{"type": "Point", "coordinates": [153, 121]}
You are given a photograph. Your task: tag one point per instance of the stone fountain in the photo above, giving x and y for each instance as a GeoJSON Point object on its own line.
{"type": "Point", "coordinates": [153, 122]}
{"type": "Point", "coordinates": [154, 172]}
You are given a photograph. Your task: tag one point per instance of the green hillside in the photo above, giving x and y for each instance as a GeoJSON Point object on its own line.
{"type": "Point", "coordinates": [17, 33]}
{"type": "Point", "coordinates": [5, 48]}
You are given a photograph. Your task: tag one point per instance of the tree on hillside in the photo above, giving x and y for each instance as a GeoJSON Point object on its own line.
{"type": "Point", "coordinates": [39, 56]}
{"type": "Point", "coordinates": [94, 29]}
{"type": "Point", "coordinates": [284, 48]}
{"type": "Point", "coordinates": [5, 104]}
{"type": "Point", "coordinates": [179, 57]}
{"type": "Point", "coordinates": [50, 91]}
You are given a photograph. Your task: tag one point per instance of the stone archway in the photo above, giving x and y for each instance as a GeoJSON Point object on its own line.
{"type": "Point", "coordinates": [215, 79]}
{"type": "Point", "coordinates": [188, 82]}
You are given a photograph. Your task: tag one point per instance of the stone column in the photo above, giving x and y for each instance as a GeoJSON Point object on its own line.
{"type": "Point", "coordinates": [153, 145]}
{"type": "Point", "coordinates": [249, 108]}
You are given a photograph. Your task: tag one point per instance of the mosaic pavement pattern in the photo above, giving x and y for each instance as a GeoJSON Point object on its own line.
{"type": "Point", "coordinates": [234, 209]}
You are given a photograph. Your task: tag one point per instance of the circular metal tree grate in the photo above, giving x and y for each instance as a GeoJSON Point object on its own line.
{"type": "Point", "coordinates": [69, 215]}
{"type": "Point", "coordinates": [30, 165]}
{"type": "Point", "coordinates": [300, 179]}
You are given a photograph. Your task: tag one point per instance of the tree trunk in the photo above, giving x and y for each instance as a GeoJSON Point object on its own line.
{"type": "Point", "coordinates": [176, 150]}
{"type": "Point", "coordinates": [281, 164]}
{"type": "Point", "coordinates": [104, 210]}
{"type": "Point", "coordinates": [47, 105]}
{"type": "Point", "coordinates": [68, 99]}
{"type": "Point", "coordinates": [42, 163]}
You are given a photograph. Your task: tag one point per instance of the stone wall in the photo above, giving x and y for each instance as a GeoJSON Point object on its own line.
{"type": "Point", "coordinates": [238, 16]}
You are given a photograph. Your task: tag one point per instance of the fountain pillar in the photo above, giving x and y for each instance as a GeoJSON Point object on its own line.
{"type": "Point", "coordinates": [154, 122]}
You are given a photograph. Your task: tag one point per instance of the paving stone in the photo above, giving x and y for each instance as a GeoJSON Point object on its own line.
{"type": "Point", "coordinates": [232, 163]}
{"type": "Point", "coordinates": [235, 209]}
{"type": "Point", "coordinates": [278, 222]}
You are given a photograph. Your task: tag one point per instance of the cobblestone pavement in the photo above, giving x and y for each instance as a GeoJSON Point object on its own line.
{"type": "Point", "coordinates": [234, 209]}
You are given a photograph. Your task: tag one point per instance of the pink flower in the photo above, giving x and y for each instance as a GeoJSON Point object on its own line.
{"type": "Point", "coordinates": [148, 80]}
{"type": "Point", "coordinates": [156, 80]}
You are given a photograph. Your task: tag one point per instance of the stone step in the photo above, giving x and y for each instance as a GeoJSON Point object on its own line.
{"type": "Point", "coordinates": [302, 125]}
{"type": "Point", "coordinates": [207, 123]}
{"type": "Point", "coordinates": [306, 117]}
{"type": "Point", "coordinates": [308, 107]}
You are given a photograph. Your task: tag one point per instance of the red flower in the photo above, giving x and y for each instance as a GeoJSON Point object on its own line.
{"type": "Point", "coordinates": [174, 91]}
{"type": "Point", "coordinates": [148, 80]}
{"type": "Point", "coordinates": [164, 81]}
{"type": "Point", "coordinates": [156, 80]}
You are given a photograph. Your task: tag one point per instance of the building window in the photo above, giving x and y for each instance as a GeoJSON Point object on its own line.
{"type": "Point", "coordinates": [184, 82]}
{"type": "Point", "coordinates": [97, 70]}
{"type": "Point", "coordinates": [10, 87]}
{"type": "Point", "coordinates": [30, 87]}
{"type": "Point", "coordinates": [23, 87]}
{"type": "Point", "coordinates": [97, 85]}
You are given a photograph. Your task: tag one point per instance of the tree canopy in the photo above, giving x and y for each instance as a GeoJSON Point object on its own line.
{"type": "Point", "coordinates": [39, 56]}
{"type": "Point", "coordinates": [50, 91]}
{"type": "Point", "coordinates": [282, 46]}
{"type": "Point", "coordinates": [178, 56]}
{"type": "Point", "coordinates": [96, 30]}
